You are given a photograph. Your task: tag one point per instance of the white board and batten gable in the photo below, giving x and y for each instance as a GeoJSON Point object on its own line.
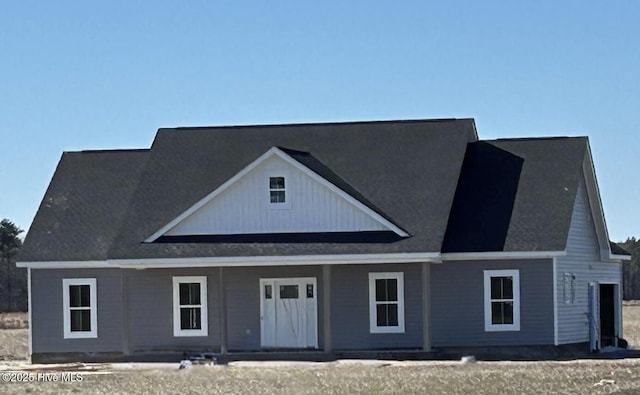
{"type": "Point", "coordinates": [276, 194]}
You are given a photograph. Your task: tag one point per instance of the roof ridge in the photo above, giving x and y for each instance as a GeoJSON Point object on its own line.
{"type": "Point", "coordinates": [319, 124]}
{"type": "Point", "coordinates": [110, 150]}
{"type": "Point", "coordinates": [536, 138]}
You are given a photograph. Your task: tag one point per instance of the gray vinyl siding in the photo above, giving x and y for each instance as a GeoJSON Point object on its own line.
{"type": "Point", "coordinates": [142, 321]}
{"type": "Point", "coordinates": [150, 315]}
{"type": "Point", "coordinates": [243, 301]}
{"type": "Point", "coordinates": [47, 311]}
{"type": "Point", "coordinates": [457, 307]}
{"type": "Point", "coordinates": [350, 308]}
{"type": "Point", "coordinates": [583, 260]}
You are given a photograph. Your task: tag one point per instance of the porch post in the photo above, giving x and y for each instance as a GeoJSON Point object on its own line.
{"type": "Point", "coordinates": [326, 307]}
{"type": "Point", "coordinates": [124, 283]}
{"type": "Point", "coordinates": [222, 315]}
{"type": "Point", "coordinates": [426, 306]}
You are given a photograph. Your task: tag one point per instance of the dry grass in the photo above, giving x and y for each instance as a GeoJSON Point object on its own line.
{"type": "Point", "coordinates": [581, 377]}
{"type": "Point", "coordinates": [14, 344]}
{"type": "Point", "coordinates": [574, 377]}
{"type": "Point", "coordinates": [631, 321]}
{"type": "Point", "coordinates": [14, 336]}
{"type": "Point", "coordinates": [14, 321]}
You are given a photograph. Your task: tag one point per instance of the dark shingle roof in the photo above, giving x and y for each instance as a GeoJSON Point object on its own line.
{"type": "Point", "coordinates": [306, 159]}
{"type": "Point", "coordinates": [84, 205]}
{"type": "Point", "coordinates": [110, 202]}
{"type": "Point", "coordinates": [405, 169]}
{"type": "Point", "coordinates": [481, 211]}
{"type": "Point", "coordinates": [616, 249]}
{"type": "Point", "coordinates": [510, 195]}
{"type": "Point", "coordinates": [516, 195]}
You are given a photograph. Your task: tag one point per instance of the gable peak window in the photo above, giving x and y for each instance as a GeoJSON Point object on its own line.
{"type": "Point", "coordinates": [277, 190]}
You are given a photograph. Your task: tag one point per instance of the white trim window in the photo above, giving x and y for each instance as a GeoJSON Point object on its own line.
{"type": "Point", "coordinates": [386, 302]}
{"type": "Point", "coordinates": [501, 300]}
{"type": "Point", "coordinates": [80, 308]}
{"type": "Point", "coordinates": [190, 306]}
{"type": "Point", "coordinates": [278, 191]}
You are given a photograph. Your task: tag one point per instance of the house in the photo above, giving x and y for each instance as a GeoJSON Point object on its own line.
{"type": "Point", "coordinates": [322, 239]}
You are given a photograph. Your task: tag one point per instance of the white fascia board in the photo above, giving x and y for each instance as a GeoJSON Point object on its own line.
{"type": "Point", "coordinates": [294, 260]}
{"type": "Point", "coordinates": [477, 256]}
{"type": "Point", "coordinates": [240, 261]}
{"type": "Point", "coordinates": [595, 203]}
{"type": "Point", "coordinates": [616, 258]}
{"type": "Point", "coordinates": [278, 152]}
{"type": "Point", "coordinates": [64, 264]}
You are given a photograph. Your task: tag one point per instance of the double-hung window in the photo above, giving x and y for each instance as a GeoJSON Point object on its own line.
{"type": "Point", "coordinates": [80, 308]}
{"type": "Point", "coordinates": [277, 190]}
{"type": "Point", "coordinates": [386, 302]}
{"type": "Point", "coordinates": [190, 306]}
{"type": "Point", "coordinates": [501, 300]}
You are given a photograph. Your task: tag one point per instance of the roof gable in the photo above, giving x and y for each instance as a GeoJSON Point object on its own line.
{"type": "Point", "coordinates": [314, 204]}
{"type": "Point", "coordinates": [607, 249]}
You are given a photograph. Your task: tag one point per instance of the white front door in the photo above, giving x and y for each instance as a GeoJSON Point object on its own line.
{"type": "Point", "coordinates": [288, 312]}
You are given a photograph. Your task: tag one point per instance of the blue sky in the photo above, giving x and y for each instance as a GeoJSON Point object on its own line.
{"type": "Point", "coordinates": [98, 75]}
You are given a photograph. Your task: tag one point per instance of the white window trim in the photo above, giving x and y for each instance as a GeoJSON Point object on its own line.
{"type": "Point", "coordinates": [287, 189]}
{"type": "Point", "coordinates": [373, 322]}
{"type": "Point", "coordinates": [66, 308]}
{"type": "Point", "coordinates": [204, 328]}
{"type": "Point", "coordinates": [488, 325]}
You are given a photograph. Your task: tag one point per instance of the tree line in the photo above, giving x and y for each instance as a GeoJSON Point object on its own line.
{"type": "Point", "coordinates": [13, 280]}
{"type": "Point", "coordinates": [631, 269]}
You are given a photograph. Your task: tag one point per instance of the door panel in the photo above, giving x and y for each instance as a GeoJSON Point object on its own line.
{"type": "Point", "coordinates": [267, 314]}
{"type": "Point", "coordinates": [311, 309]}
{"type": "Point", "coordinates": [289, 313]}
{"type": "Point", "coordinates": [290, 316]}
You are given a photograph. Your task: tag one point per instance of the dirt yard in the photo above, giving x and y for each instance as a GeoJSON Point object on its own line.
{"type": "Point", "coordinates": [359, 377]}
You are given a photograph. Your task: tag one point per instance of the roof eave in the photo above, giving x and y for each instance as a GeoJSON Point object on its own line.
{"type": "Point", "coordinates": [500, 255]}
{"type": "Point", "coordinates": [241, 261]}
{"type": "Point", "coordinates": [293, 260]}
